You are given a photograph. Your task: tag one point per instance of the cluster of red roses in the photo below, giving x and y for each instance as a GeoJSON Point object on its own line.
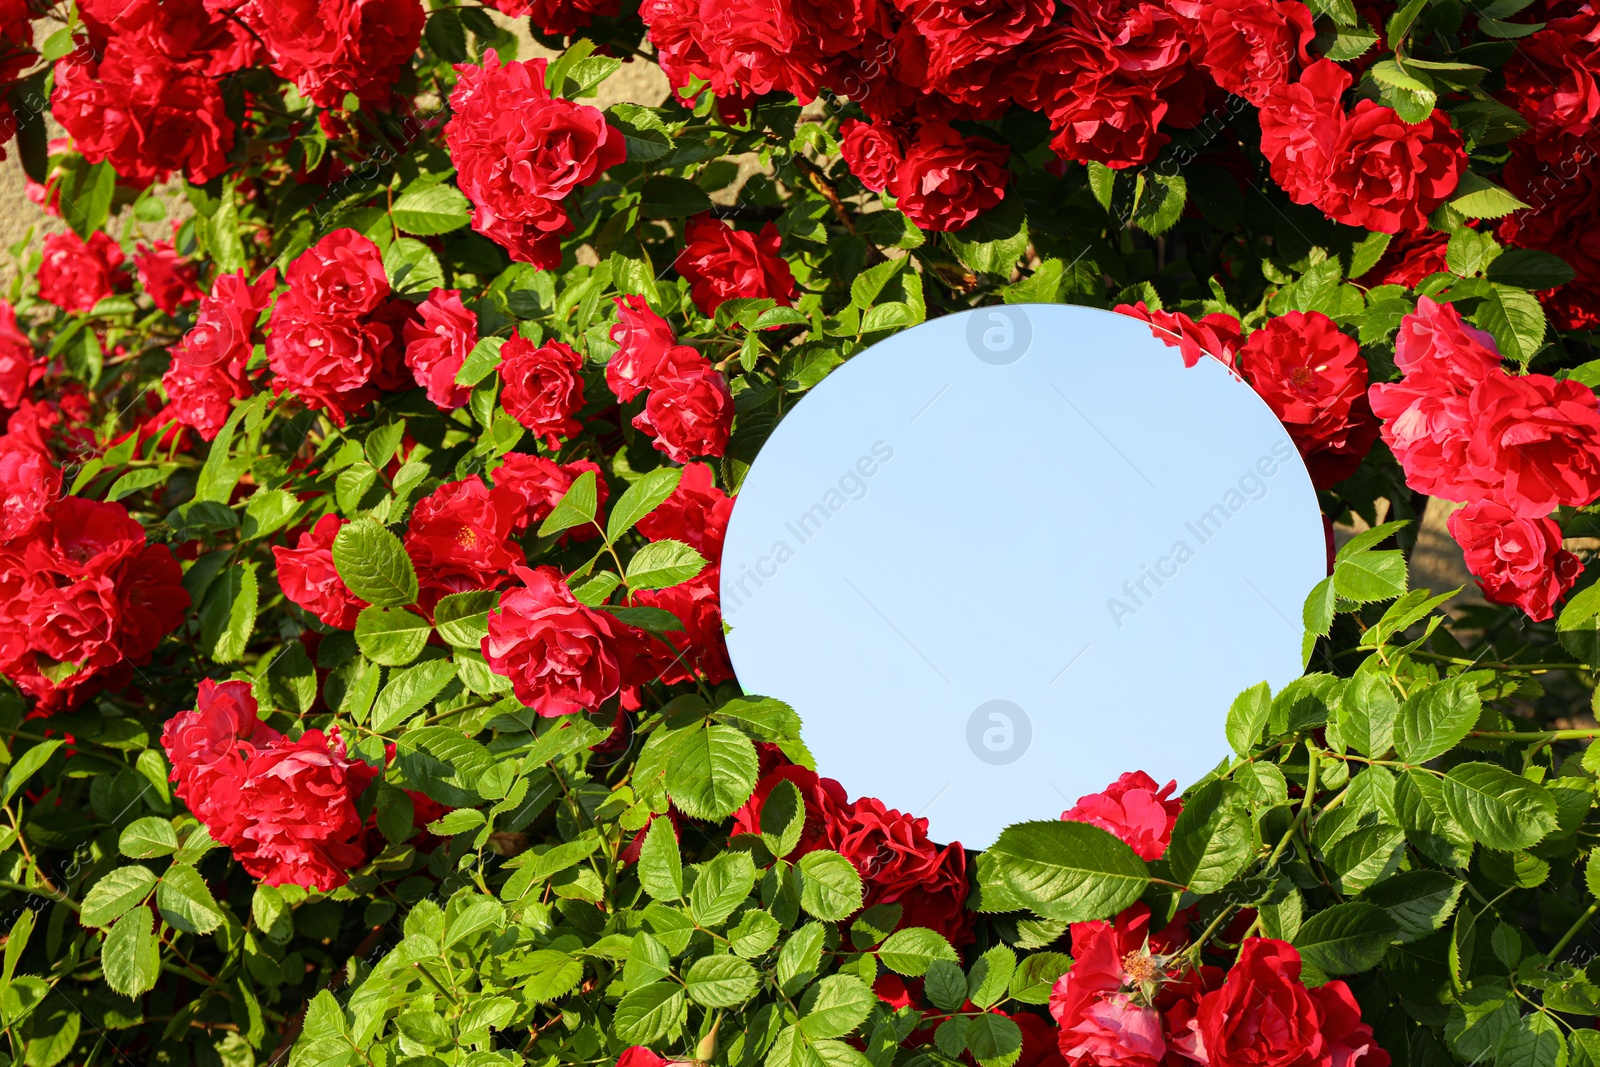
{"type": "Point", "coordinates": [83, 598]}
{"type": "Point", "coordinates": [1513, 447]}
{"type": "Point", "coordinates": [286, 808]}
{"type": "Point", "coordinates": [1312, 376]}
{"type": "Point", "coordinates": [75, 274]}
{"type": "Point", "coordinates": [143, 91]}
{"type": "Point", "coordinates": [1553, 80]}
{"type": "Point", "coordinates": [1131, 1000]}
{"type": "Point", "coordinates": [1107, 73]}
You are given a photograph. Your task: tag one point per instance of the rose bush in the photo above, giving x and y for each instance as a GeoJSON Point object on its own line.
{"type": "Point", "coordinates": [365, 699]}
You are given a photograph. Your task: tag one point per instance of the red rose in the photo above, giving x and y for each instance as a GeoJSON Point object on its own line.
{"type": "Point", "coordinates": [1515, 560]}
{"type": "Point", "coordinates": [296, 821]}
{"type": "Point", "coordinates": [559, 18]}
{"type": "Point", "coordinates": [899, 864]}
{"type": "Point", "coordinates": [1264, 1017]}
{"type": "Point", "coordinates": [1106, 1004]}
{"type": "Point", "coordinates": [1410, 257]}
{"type": "Point", "coordinates": [459, 537]}
{"type": "Point", "coordinates": [1040, 1047]}
{"type": "Point", "coordinates": [874, 152]}
{"type": "Point", "coordinates": [1563, 219]}
{"type": "Point", "coordinates": [958, 33]}
{"type": "Point", "coordinates": [76, 275]}
{"type": "Point", "coordinates": [721, 263]}
{"type": "Point", "coordinates": [696, 513]}
{"type": "Point", "coordinates": [332, 47]}
{"type": "Point", "coordinates": [1368, 168]}
{"type": "Point", "coordinates": [947, 180]}
{"type": "Point", "coordinates": [639, 1056]}
{"type": "Point", "coordinates": [541, 483]}
{"type": "Point", "coordinates": [1553, 79]}
{"type": "Point", "coordinates": [1535, 442]}
{"type": "Point", "coordinates": [543, 386]}
{"type": "Point", "coordinates": [519, 153]}
{"type": "Point", "coordinates": [1135, 810]}
{"type": "Point", "coordinates": [132, 106]}
{"type": "Point", "coordinates": [196, 35]}
{"type": "Point", "coordinates": [557, 653]}
{"type": "Point", "coordinates": [166, 276]}
{"type": "Point", "coordinates": [742, 48]}
{"type": "Point", "coordinates": [437, 345]}
{"type": "Point", "coordinates": [1250, 46]}
{"type": "Point", "coordinates": [1315, 381]}
{"type": "Point", "coordinates": [210, 746]}
{"type": "Point", "coordinates": [826, 807]}
{"type": "Point", "coordinates": [689, 411]}
{"type": "Point", "coordinates": [20, 365]}
{"type": "Point", "coordinates": [208, 365]}
{"type": "Point", "coordinates": [700, 643]}
{"type": "Point", "coordinates": [29, 484]}
{"type": "Point", "coordinates": [1216, 335]}
{"type": "Point", "coordinates": [643, 339]}
{"type": "Point", "coordinates": [308, 577]}
{"type": "Point", "coordinates": [341, 275]}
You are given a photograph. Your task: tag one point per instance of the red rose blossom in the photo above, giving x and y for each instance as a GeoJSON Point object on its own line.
{"type": "Point", "coordinates": [519, 152]}
{"type": "Point", "coordinates": [459, 538]}
{"type": "Point", "coordinates": [543, 386]}
{"type": "Point", "coordinates": [29, 484]}
{"type": "Point", "coordinates": [873, 152]}
{"type": "Point", "coordinates": [1564, 206]}
{"type": "Point", "coordinates": [332, 47]}
{"type": "Point", "coordinates": [1535, 442]}
{"type": "Point", "coordinates": [696, 513]}
{"type": "Point", "coordinates": [437, 344]}
{"type": "Point", "coordinates": [1315, 380]}
{"type": "Point", "coordinates": [20, 365]}
{"type": "Point", "coordinates": [721, 263]}
{"type": "Point", "coordinates": [1104, 1004]}
{"type": "Point", "coordinates": [557, 653]}
{"type": "Point", "coordinates": [308, 577]}
{"type": "Point", "coordinates": [208, 365]}
{"type": "Point", "coordinates": [75, 275]}
{"type": "Point", "coordinates": [1250, 46]}
{"type": "Point", "coordinates": [689, 411]}
{"type": "Point", "coordinates": [700, 645]}
{"type": "Point", "coordinates": [1515, 560]}
{"type": "Point", "coordinates": [643, 339]}
{"type": "Point", "coordinates": [541, 483]}
{"type": "Point", "coordinates": [1135, 810]}
{"type": "Point", "coordinates": [1216, 335]}
{"type": "Point", "coordinates": [947, 180]}
{"type": "Point", "coordinates": [166, 276]}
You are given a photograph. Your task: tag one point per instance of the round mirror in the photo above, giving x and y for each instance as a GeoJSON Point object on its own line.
{"type": "Point", "coordinates": [1000, 558]}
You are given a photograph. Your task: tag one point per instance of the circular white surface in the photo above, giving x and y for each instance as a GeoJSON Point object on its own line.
{"type": "Point", "coordinates": [1000, 558]}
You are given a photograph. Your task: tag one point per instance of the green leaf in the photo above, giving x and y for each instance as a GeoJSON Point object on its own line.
{"type": "Point", "coordinates": [1479, 1018]}
{"type": "Point", "coordinates": [427, 210]}
{"type": "Point", "coordinates": [1479, 198]}
{"type": "Point", "coordinates": [115, 893]}
{"type": "Point", "coordinates": [28, 764]}
{"type": "Point", "coordinates": [831, 889]}
{"type": "Point", "coordinates": [131, 955]}
{"type": "Point", "coordinates": [640, 499]}
{"type": "Point", "coordinates": [754, 934]}
{"type": "Point", "coordinates": [910, 951]}
{"type": "Point", "coordinates": [1419, 902]}
{"type": "Point", "coordinates": [720, 887]}
{"type": "Point", "coordinates": [660, 864]}
{"type": "Point", "coordinates": [482, 361]}
{"type": "Point", "coordinates": [185, 901]}
{"type": "Point", "coordinates": [665, 197]}
{"type": "Point", "coordinates": [945, 985]}
{"type": "Point", "coordinates": [1515, 318]}
{"type": "Point", "coordinates": [1366, 855]}
{"type": "Point", "coordinates": [228, 612]}
{"type": "Point", "coordinates": [993, 1039]}
{"type": "Point", "coordinates": [1436, 718]}
{"type": "Point", "coordinates": [663, 563]}
{"type": "Point", "coordinates": [994, 241]}
{"type": "Point", "coordinates": [1160, 203]}
{"type": "Point", "coordinates": [648, 961]}
{"type": "Point", "coordinates": [835, 1006]}
{"type": "Point", "coordinates": [647, 1015]}
{"type": "Point", "coordinates": [462, 619]}
{"type": "Point", "coordinates": [1246, 717]}
{"type": "Point", "coordinates": [412, 267]}
{"type": "Point", "coordinates": [713, 772]}
{"type": "Point", "coordinates": [800, 956]}
{"type": "Point", "coordinates": [1346, 938]}
{"type": "Point", "coordinates": [1499, 809]}
{"type": "Point", "coordinates": [1212, 839]}
{"type": "Point", "coordinates": [1068, 870]}
{"type": "Point", "coordinates": [721, 981]}
{"type": "Point", "coordinates": [374, 565]}
{"type": "Point", "coordinates": [147, 838]}
{"type": "Point", "coordinates": [392, 637]}
{"type": "Point", "coordinates": [990, 976]}
{"type": "Point", "coordinates": [1367, 713]}
{"type": "Point", "coordinates": [1535, 1042]}
{"type": "Point", "coordinates": [783, 818]}
{"type": "Point", "coordinates": [1370, 576]}
{"type": "Point", "coordinates": [1529, 268]}
{"type": "Point", "coordinates": [408, 691]}
{"type": "Point", "coordinates": [575, 508]}
{"type": "Point", "coordinates": [1036, 976]}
